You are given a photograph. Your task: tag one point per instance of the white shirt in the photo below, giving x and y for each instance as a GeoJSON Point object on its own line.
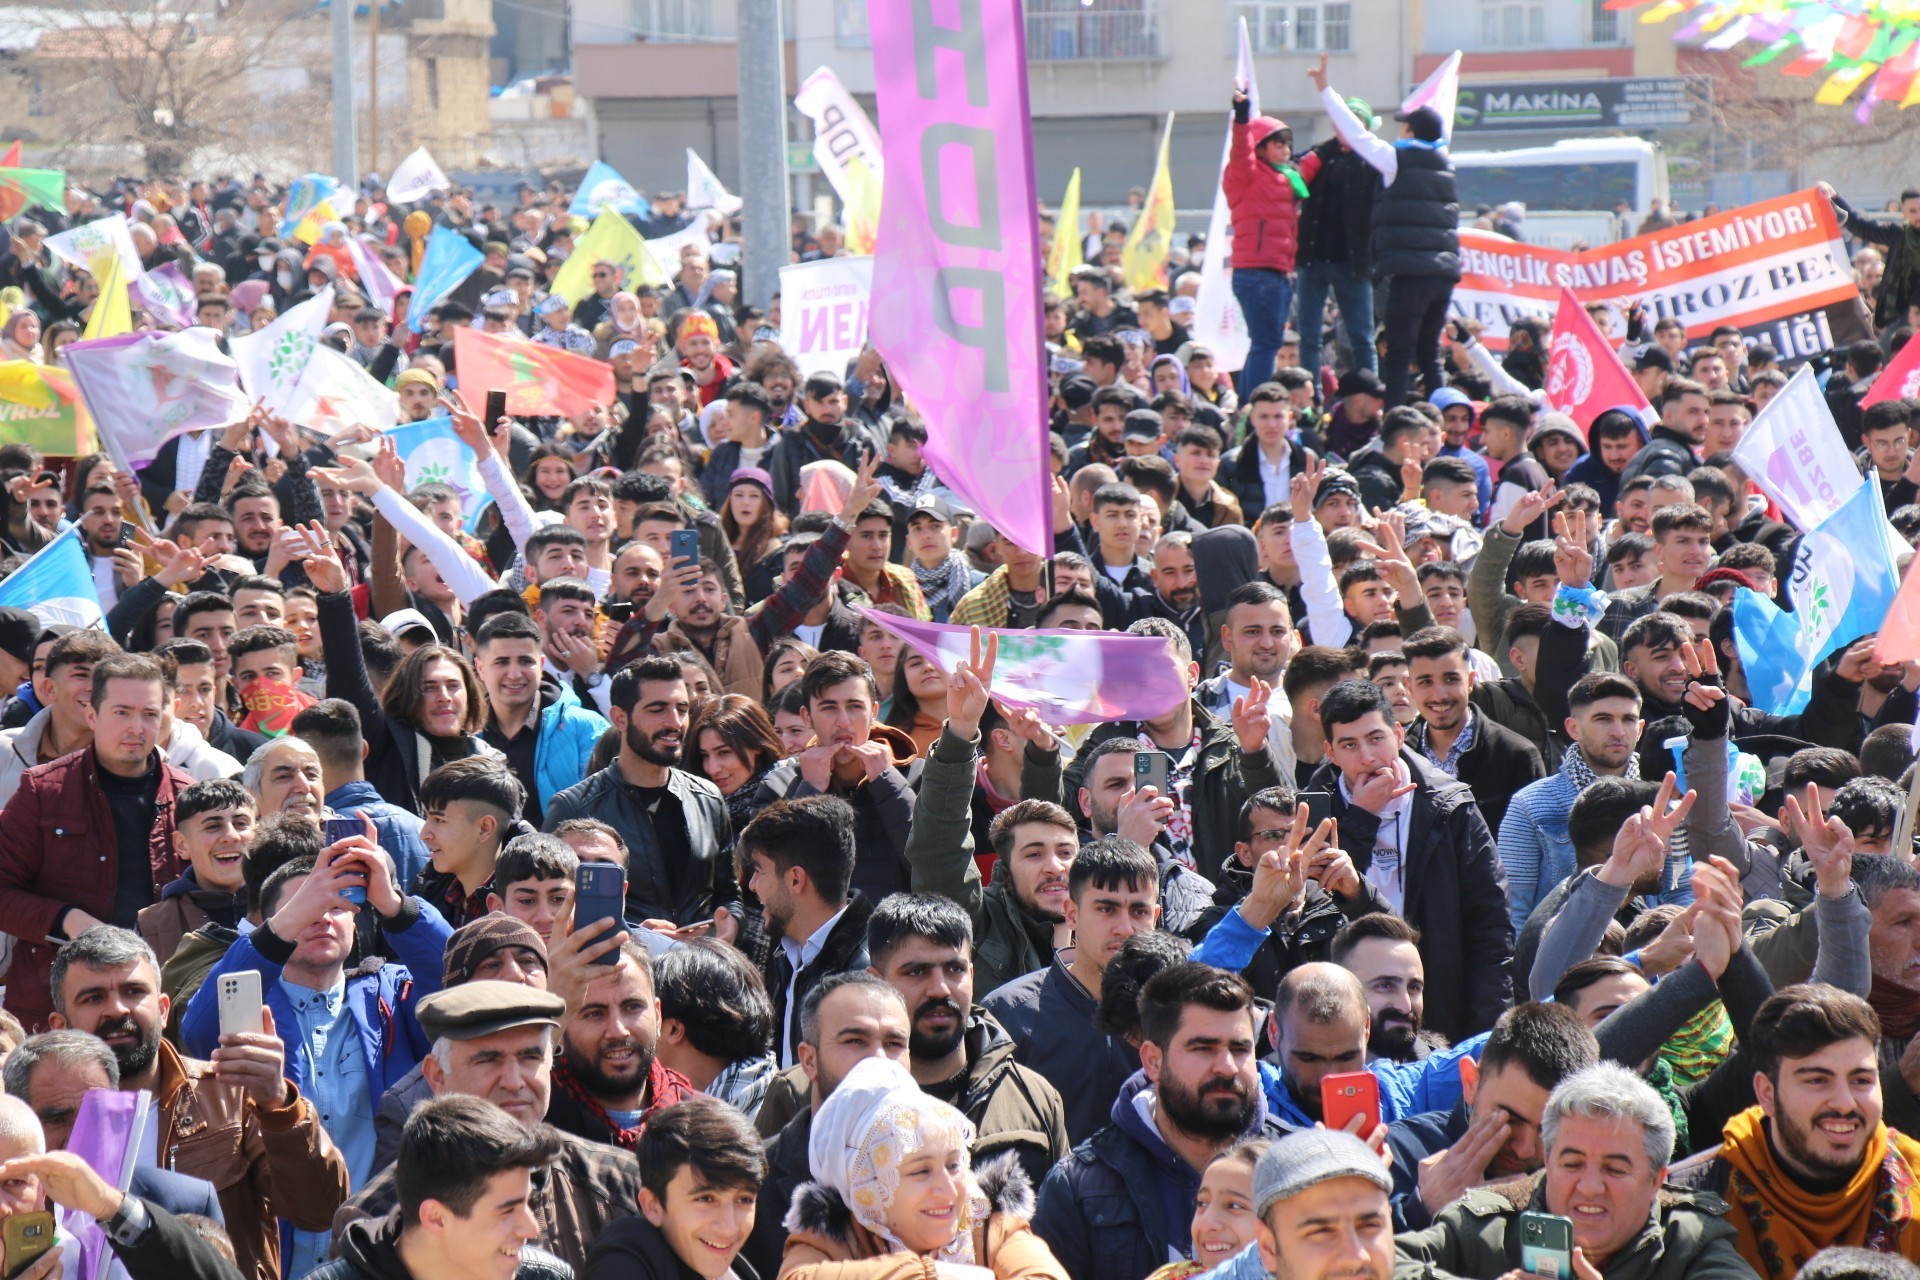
{"type": "Point", "coordinates": [1276, 476]}
{"type": "Point", "coordinates": [799, 956]}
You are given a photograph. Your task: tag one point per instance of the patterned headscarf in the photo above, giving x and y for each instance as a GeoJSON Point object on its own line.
{"type": "Point", "coordinates": [873, 1122]}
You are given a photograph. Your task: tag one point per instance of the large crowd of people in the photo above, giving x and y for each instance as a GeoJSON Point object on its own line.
{"type": "Point", "coordinates": [1467, 919]}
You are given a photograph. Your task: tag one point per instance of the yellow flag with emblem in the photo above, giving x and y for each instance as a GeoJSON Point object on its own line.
{"type": "Point", "coordinates": [613, 239]}
{"type": "Point", "coordinates": [1145, 256]}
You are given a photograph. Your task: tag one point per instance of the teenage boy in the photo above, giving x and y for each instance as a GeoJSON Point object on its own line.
{"type": "Point", "coordinates": [546, 736]}
{"type": "Point", "coordinates": [266, 675]}
{"type": "Point", "coordinates": [470, 806]}
{"type": "Point", "coordinates": [1196, 459]}
{"type": "Point", "coordinates": [1683, 550]}
{"type": "Point", "coordinates": [942, 572]}
{"type": "Point", "coordinates": [701, 1169]}
{"type": "Point", "coordinates": [213, 827]}
{"type": "Point", "coordinates": [533, 882]}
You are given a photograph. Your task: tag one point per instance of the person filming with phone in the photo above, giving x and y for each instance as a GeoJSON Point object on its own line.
{"type": "Point", "coordinates": [1597, 1209]}
{"type": "Point", "coordinates": [334, 1023]}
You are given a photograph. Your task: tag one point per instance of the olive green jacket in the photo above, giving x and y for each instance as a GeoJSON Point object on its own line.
{"type": "Point", "coordinates": [1687, 1238]}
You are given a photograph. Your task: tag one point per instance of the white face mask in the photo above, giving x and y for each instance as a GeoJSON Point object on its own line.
{"type": "Point", "coordinates": [266, 261]}
{"type": "Point", "coordinates": [285, 278]}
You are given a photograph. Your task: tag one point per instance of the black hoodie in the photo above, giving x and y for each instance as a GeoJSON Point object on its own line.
{"type": "Point", "coordinates": [370, 1250]}
{"type": "Point", "coordinates": [634, 1249]}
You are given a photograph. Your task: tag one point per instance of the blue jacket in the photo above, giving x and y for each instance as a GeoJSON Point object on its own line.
{"type": "Point", "coordinates": [396, 830]}
{"type": "Point", "coordinates": [1121, 1205]}
{"type": "Point", "coordinates": [564, 744]}
{"type": "Point", "coordinates": [1406, 1088]}
{"type": "Point", "coordinates": [380, 996]}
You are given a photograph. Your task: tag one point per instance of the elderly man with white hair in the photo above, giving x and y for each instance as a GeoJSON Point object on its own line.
{"type": "Point", "coordinates": [285, 776]}
{"type": "Point", "coordinates": [1609, 1138]}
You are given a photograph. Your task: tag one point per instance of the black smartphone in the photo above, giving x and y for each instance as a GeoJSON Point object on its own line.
{"type": "Point", "coordinates": [1319, 806]}
{"type": "Point", "coordinates": [339, 829]}
{"type": "Point", "coordinates": [620, 611]}
{"type": "Point", "coordinates": [1151, 769]}
{"type": "Point", "coordinates": [600, 893]}
{"type": "Point", "coordinates": [684, 545]}
{"type": "Point", "coordinates": [496, 409]}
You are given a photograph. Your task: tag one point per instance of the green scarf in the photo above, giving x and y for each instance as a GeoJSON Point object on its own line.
{"type": "Point", "coordinates": [1291, 173]}
{"type": "Point", "coordinates": [1660, 1076]}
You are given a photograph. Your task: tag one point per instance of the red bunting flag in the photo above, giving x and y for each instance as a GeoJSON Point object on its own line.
{"type": "Point", "coordinates": [1899, 380]}
{"type": "Point", "coordinates": [539, 381]}
{"type": "Point", "coordinates": [1584, 377]}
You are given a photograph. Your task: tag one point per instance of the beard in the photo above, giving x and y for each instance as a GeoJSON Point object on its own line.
{"type": "Point", "coordinates": [1206, 1114]}
{"type": "Point", "coordinates": [1796, 1143]}
{"type": "Point", "coordinates": [1394, 1036]}
{"type": "Point", "coordinates": [932, 1047]}
{"type": "Point", "coordinates": [133, 1058]}
{"type": "Point", "coordinates": [1033, 909]}
{"type": "Point", "coordinates": [646, 748]}
{"type": "Point", "coordinates": [597, 1079]}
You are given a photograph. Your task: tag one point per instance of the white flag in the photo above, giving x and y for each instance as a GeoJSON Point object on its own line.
{"type": "Point", "coordinates": [79, 246]}
{"type": "Point", "coordinates": [841, 131]}
{"type": "Point", "coordinates": [823, 312]}
{"type": "Point", "coordinates": [704, 190]}
{"type": "Point", "coordinates": [274, 359]}
{"type": "Point", "coordinates": [335, 393]}
{"type": "Point", "coordinates": [415, 178]}
{"type": "Point", "coordinates": [1217, 322]}
{"type": "Point", "coordinates": [1794, 452]}
{"type": "Point", "coordinates": [1441, 91]}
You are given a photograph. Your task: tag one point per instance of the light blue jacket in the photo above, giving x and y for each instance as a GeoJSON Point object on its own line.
{"type": "Point", "coordinates": [568, 732]}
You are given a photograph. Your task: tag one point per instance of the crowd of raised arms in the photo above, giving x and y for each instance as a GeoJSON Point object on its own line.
{"type": "Point", "coordinates": [604, 888]}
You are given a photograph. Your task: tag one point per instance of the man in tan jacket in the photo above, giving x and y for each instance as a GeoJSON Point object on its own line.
{"type": "Point", "coordinates": [236, 1121]}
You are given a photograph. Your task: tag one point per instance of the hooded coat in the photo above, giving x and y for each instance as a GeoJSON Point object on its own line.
{"type": "Point", "coordinates": [1266, 213]}
{"type": "Point", "coordinates": [1590, 470]}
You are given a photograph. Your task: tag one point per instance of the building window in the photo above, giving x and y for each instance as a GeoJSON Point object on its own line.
{"type": "Point", "coordinates": [671, 20]}
{"type": "Point", "coordinates": [1093, 30]}
{"type": "Point", "coordinates": [1603, 24]}
{"type": "Point", "coordinates": [1505, 24]}
{"type": "Point", "coordinates": [1277, 27]}
{"type": "Point", "coordinates": [850, 25]}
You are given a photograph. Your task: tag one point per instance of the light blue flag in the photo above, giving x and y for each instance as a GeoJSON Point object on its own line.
{"type": "Point", "coordinates": [603, 185]}
{"type": "Point", "coordinates": [432, 454]}
{"type": "Point", "coordinates": [1842, 584]}
{"type": "Point", "coordinates": [56, 586]}
{"type": "Point", "coordinates": [449, 259]}
{"type": "Point", "coordinates": [306, 194]}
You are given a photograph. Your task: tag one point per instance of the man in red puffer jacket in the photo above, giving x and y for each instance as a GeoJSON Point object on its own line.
{"type": "Point", "coordinates": [1264, 191]}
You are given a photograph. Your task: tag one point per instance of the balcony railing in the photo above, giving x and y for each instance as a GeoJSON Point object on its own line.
{"type": "Point", "coordinates": [1069, 31]}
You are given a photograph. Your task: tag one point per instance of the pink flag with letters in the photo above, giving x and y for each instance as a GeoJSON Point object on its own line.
{"type": "Point", "coordinates": [956, 274]}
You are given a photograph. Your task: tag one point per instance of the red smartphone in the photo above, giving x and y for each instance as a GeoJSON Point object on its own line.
{"type": "Point", "coordinates": [1347, 1094]}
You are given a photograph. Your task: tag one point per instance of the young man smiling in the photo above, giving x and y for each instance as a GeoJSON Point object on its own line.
{"type": "Point", "coordinates": [544, 732]}
{"type": "Point", "coordinates": [213, 828]}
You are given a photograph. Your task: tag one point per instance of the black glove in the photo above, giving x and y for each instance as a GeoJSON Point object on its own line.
{"type": "Point", "coordinates": [1712, 723]}
{"type": "Point", "coordinates": [1242, 108]}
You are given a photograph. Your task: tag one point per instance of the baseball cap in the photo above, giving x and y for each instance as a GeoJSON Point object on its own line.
{"type": "Point", "coordinates": [1143, 424]}
{"type": "Point", "coordinates": [931, 504]}
{"type": "Point", "coordinates": [401, 621]}
{"type": "Point", "coordinates": [19, 634]}
{"type": "Point", "coordinates": [1309, 1157]}
{"type": "Point", "coordinates": [1651, 355]}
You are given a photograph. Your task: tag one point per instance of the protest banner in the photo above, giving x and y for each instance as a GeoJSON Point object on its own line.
{"type": "Point", "coordinates": [1768, 268]}
{"type": "Point", "coordinates": [21, 189]}
{"type": "Point", "coordinates": [614, 240]}
{"type": "Point", "coordinates": [1144, 256]}
{"type": "Point", "coordinates": [79, 246]}
{"type": "Point", "coordinates": [41, 406]}
{"type": "Point", "coordinates": [335, 393]}
{"type": "Point", "coordinates": [705, 190]}
{"type": "Point", "coordinates": [449, 259]}
{"type": "Point", "coordinates": [416, 178]}
{"type": "Point", "coordinates": [165, 294]}
{"type": "Point", "coordinates": [1900, 380]}
{"type": "Point", "coordinates": [956, 298]}
{"type": "Point", "coordinates": [603, 185]}
{"type": "Point", "coordinates": [1069, 677]}
{"type": "Point", "coordinates": [433, 454]}
{"type": "Point", "coordinates": [841, 131]}
{"type": "Point", "coordinates": [304, 197]}
{"type": "Point", "coordinates": [823, 312]}
{"type": "Point", "coordinates": [1794, 452]}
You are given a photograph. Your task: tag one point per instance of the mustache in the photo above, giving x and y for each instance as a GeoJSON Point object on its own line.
{"type": "Point", "coordinates": [939, 1004]}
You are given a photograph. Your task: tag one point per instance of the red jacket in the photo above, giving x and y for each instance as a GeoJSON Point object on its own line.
{"type": "Point", "coordinates": [1266, 217]}
{"type": "Point", "coordinates": [57, 850]}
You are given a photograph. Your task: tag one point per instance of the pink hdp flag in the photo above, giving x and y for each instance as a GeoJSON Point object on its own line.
{"type": "Point", "coordinates": [1069, 677]}
{"type": "Point", "coordinates": [145, 388]}
{"type": "Point", "coordinates": [956, 279]}
{"type": "Point", "coordinates": [167, 296]}
{"type": "Point", "coordinates": [382, 285]}
{"type": "Point", "coordinates": [1441, 91]}
{"type": "Point", "coordinates": [1584, 377]}
{"type": "Point", "coordinates": [107, 1133]}
{"type": "Point", "coordinates": [1900, 379]}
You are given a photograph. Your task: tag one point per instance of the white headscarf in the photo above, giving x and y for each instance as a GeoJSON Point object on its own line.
{"type": "Point", "coordinates": [874, 1121]}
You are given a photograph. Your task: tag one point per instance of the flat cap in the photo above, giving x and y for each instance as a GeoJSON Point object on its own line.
{"type": "Point", "coordinates": [1309, 1157]}
{"type": "Point", "coordinates": [475, 1009]}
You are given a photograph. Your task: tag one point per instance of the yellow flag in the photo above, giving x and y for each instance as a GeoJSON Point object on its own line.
{"type": "Point", "coordinates": [1841, 84]}
{"type": "Point", "coordinates": [1061, 258]}
{"type": "Point", "coordinates": [308, 231]}
{"type": "Point", "coordinates": [613, 239]}
{"type": "Point", "coordinates": [863, 207]}
{"type": "Point", "coordinates": [1145, 255]}
{"type": "Point", "coordinates": [112, 315]}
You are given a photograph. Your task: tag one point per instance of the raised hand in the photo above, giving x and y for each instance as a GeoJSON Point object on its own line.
{"type": "Point", "coordinates": [466, 424]}
{"type": "Point", "coordinates": [968, 686]}
{"type": "Point", "coordinates": [324, 568]}
{"type": "Point", "coordinates": [865, 489]}
{"type": "Point", "coordinates": [1143, 814]}
{"type": "Point", "coordinates": [1572, 553]}
{"type": "Point", "coordinates": [1381, 788]}
{"type": "Point", "coordinates": [351, 473]}
{"type": "Point", "coordinates": [388, 466]}
{"type": "Point", "coordinates": [1318, 74]}
{"type": "Point", "coordinates": [1305, 483]}
{"type": "Point", "coordinates": [1716, 928]}
{"type": "Point", "coordinates": [1026, 724]}
{"type": "Point", "coordinates": [1530, 507]}
{"type": "Point", "coordinates": [1640, 848]}
{"type": "Point", "coordinates": [1828, 843]}
{"type": "Point", "coordinates": [1252, 718]}
{"type": "Point", "coordinates": [1705, 702]}
{"type": "Point", "coordinates": [1278, 877]}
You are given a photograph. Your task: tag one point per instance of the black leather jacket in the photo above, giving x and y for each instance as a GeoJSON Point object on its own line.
{"type": "Point", "coordinates": [655, 890]}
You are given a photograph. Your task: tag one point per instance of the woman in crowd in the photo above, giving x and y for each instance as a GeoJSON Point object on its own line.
{"type": "Point", "coordinates": [787, 659]}
{"type": "Point", "coordinates": [754, 525]}
{"type": "Point", "coordinates": [919, 705]}
{"type": "Point", "coordinates": [549, 472]}
{"type": "Point", "coordinates": [894, 1189]}
{"type": "Point", "coordinates": [734, 747]}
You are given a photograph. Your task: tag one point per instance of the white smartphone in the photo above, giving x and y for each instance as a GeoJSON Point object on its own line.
{"type": "Point", "coordinates": [240, 1004]}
